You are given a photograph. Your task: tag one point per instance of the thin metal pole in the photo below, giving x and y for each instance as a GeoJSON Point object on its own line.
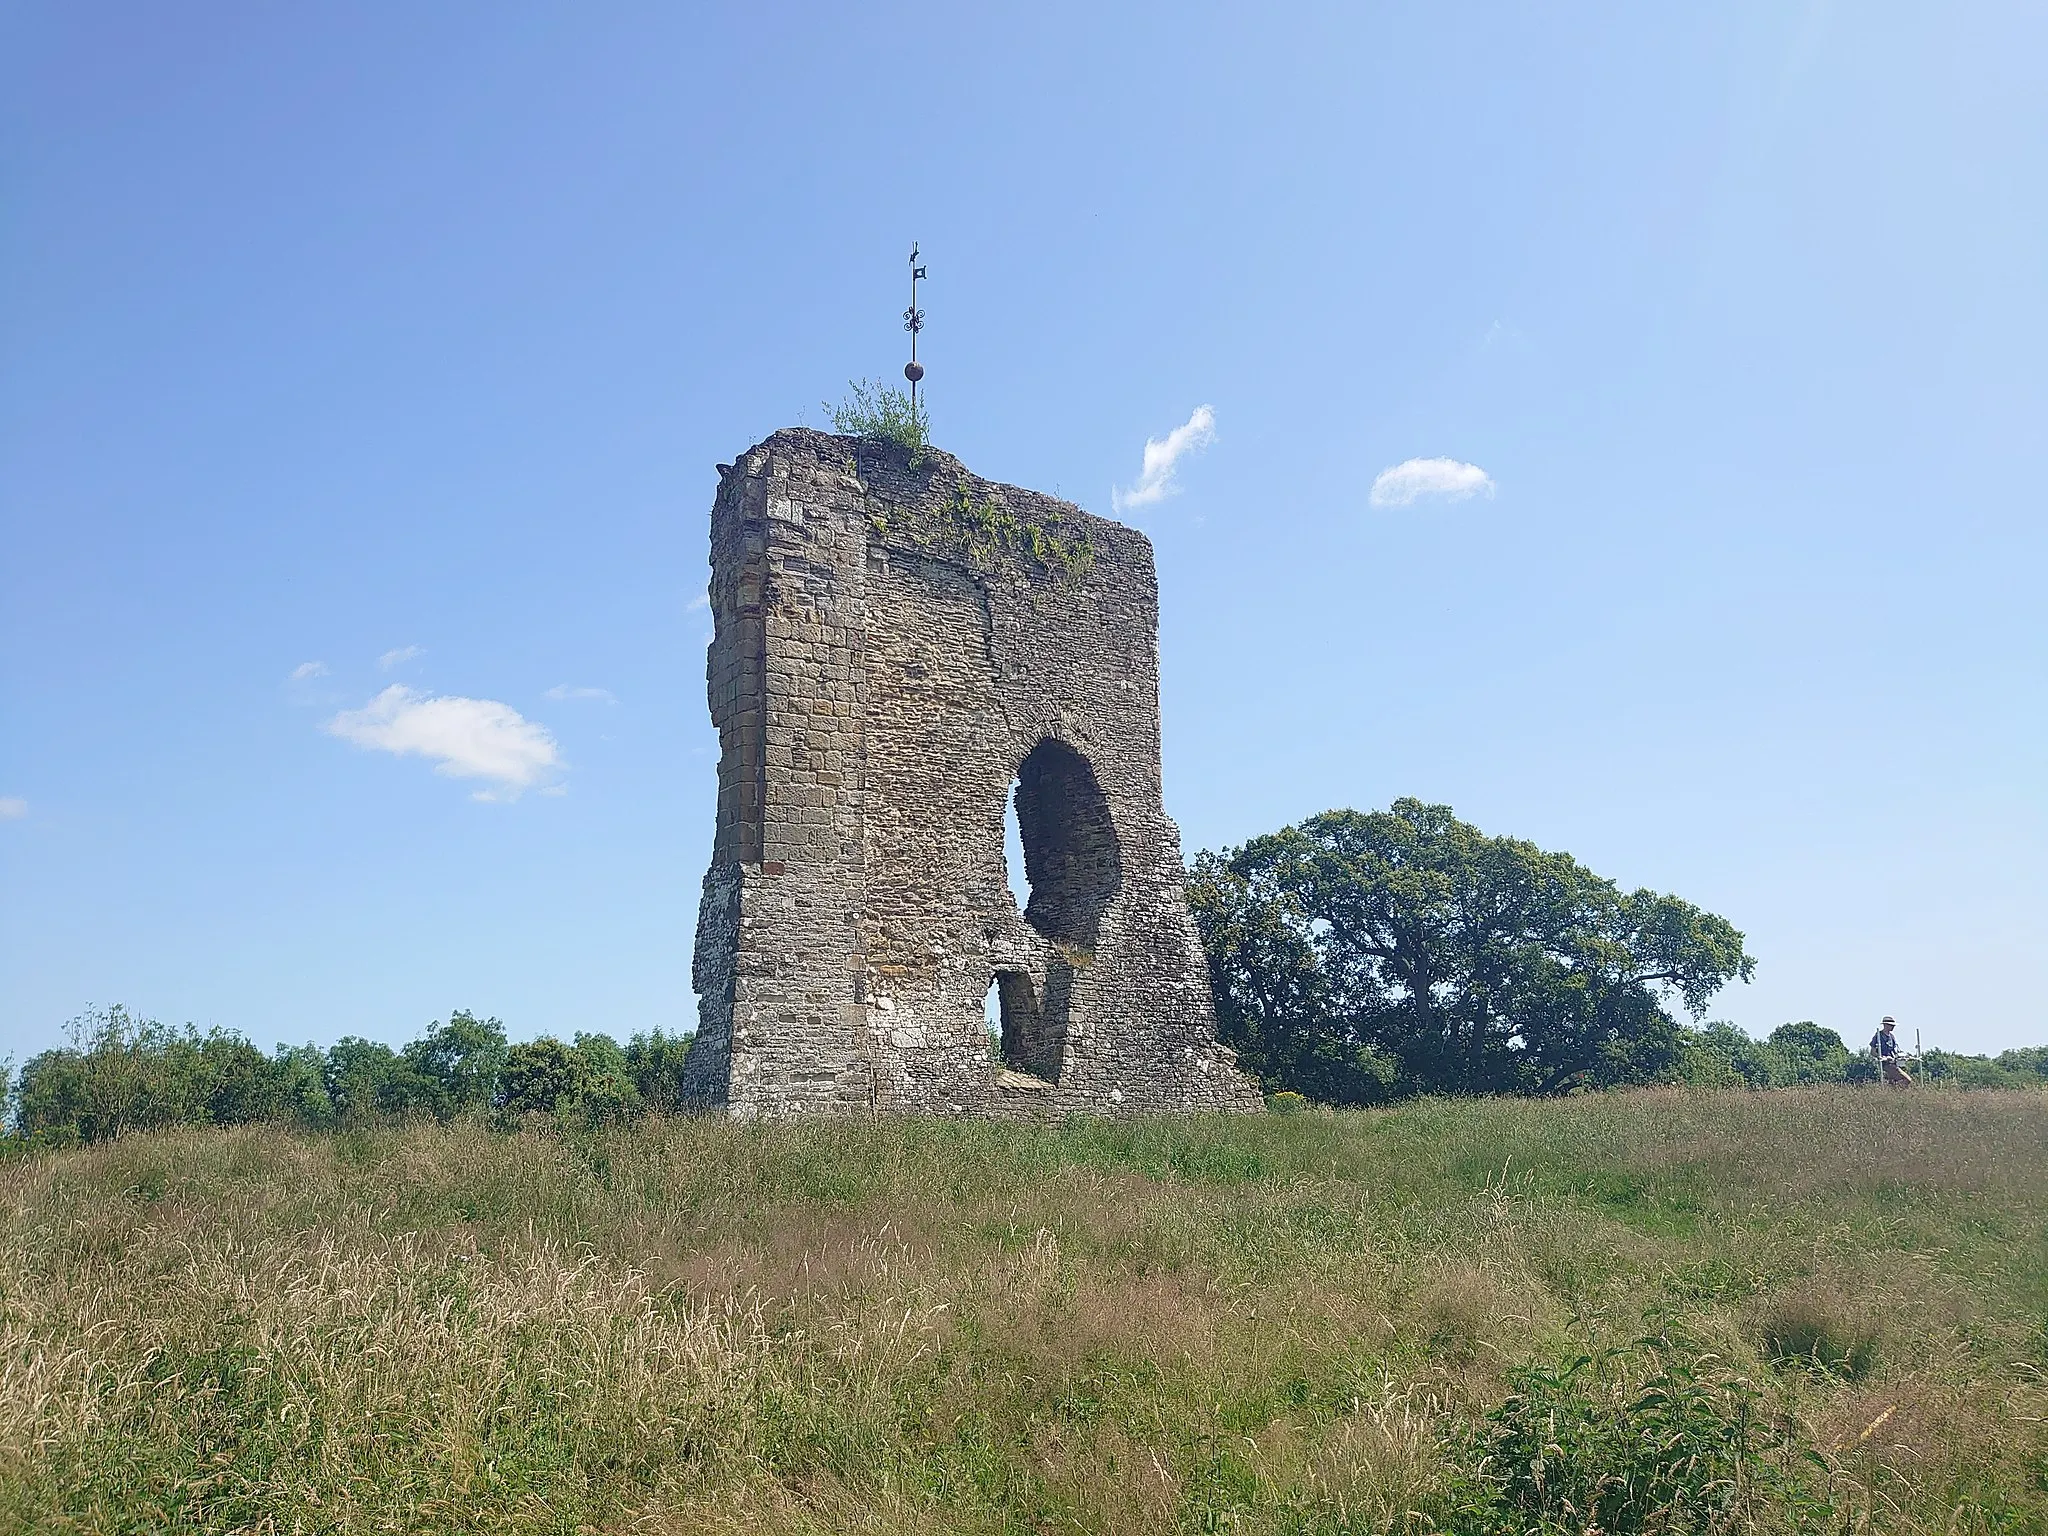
{"type": "Point", "coordinates": [913, 322]}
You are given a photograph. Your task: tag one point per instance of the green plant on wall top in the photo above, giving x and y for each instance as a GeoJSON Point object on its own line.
{"type": "Point", "coordinates": [879, 409]}
{"type": "Point", "coordinates": [992, 532]}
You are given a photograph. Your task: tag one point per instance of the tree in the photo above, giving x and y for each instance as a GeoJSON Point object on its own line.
{"type": "Point", "coordinates": [2027, 1063]}
{"type": "Point", "coordinates": [457, 1064]}
{"type": "Point", "coordinates": [119, 1073]}
{"type": "Point", "coordinates": [1807, 1052]}
{"type": "Point", "coordinates": [541, 1075]}
{"type": "Point", "coordinates": [1363, 954]}
{"type": "Point", "coordinates": [609, 1093]}
{"type": "Point", "coordinates": [365, 1080]}
{"type": "Point", "coordinates": [302, 1088]}
{"type": "Point", "coordinates": [654, 1061]}
{"type": "Point", "coordinates": [1720, 1055]}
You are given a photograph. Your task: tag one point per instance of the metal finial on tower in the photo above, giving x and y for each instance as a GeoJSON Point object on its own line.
{"type": "Point", "coordinates": [913, 322]}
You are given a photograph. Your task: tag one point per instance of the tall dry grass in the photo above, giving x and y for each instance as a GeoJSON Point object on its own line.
{"type": "Point", "coordinates": [1255, 1325]}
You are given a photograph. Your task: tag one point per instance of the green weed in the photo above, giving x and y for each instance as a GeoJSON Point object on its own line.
{"type": "Point", "coordinates": [1660, 1437]}
{"type": "Point", "coordinates": [878, 409]}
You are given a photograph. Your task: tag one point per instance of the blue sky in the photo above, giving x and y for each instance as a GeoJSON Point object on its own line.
{"type": "Point", "coordinates": [402, 340]}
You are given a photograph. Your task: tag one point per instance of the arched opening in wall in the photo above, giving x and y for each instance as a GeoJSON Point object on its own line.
{"type": "Point", "coordinates": [1072, 865]}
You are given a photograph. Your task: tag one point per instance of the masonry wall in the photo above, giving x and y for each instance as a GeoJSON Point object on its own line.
{"type": "Point", "coordinates": [894, 646]}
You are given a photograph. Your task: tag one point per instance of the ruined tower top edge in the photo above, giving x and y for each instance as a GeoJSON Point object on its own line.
{"type": "Point", "coordinates": [894, 466]}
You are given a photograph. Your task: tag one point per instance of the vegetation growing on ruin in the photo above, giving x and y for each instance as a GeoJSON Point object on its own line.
{"type": "Point", "coordinates": [991, 533]}
{"type": "Point", "coordinates": [1813, 1310]}
{"type": "Point", "coordinates": [990, 536]}
{"type": "Point", "coordinates": [878, 409]}
{"type": "Point", "coordinates": [988, 532]}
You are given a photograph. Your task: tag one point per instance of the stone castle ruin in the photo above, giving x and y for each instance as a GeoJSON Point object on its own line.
{"type": "Point", "coordinates": [897, 645]}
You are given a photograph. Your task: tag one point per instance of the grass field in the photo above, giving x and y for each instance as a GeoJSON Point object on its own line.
{"type": "Point", "coordinates": [1358, 1322]}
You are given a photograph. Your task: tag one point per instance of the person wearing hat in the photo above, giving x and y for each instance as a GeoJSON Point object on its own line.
{"type": "Point", "coordinates": [1884, 1045]}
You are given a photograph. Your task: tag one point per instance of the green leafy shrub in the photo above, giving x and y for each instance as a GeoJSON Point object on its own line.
{"type": "Point", "coordinates": [655, 1062]}
{"type": "Point", "coordinates": [876, 408]}
{"type": "Point", "coordinates": [1287, 1102]}
{"type": "Point", "coordinates": [540, 1075]}
{"type": "Point", "coordinates": [1659, 1437]}
{"type": "Point", "coordinates": [455, 1066]}
{"type": "Point", "coordinates": [121, 1073]}
{"type": "Point", "coordinates": [366, 1080]}
{"type": "Point", "coordinates": [991, 533]}
{"type": "Point", "coordinates": [608, 1095]}
{"type": "Point", "coordinates": [2029, 1061]}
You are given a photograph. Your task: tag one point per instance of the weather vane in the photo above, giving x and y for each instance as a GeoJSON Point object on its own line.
{"type": "Point", "coordinates": [913, 322]}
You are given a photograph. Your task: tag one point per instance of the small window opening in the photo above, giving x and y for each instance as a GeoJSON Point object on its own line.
{"type": "Point", "coordinates": [1017, 1038]}
{"type": "Point", "coordinates": [992, 1016]}
{"type": "Point", "coordinates": [1014, 865]}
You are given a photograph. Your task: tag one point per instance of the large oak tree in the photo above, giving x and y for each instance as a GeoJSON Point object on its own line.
{"type": "Point", "coordinates": [1361, 955]}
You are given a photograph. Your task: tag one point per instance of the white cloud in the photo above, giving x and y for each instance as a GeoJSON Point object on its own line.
{"type": "Point", "coordinates": [391, 659]}
{"type": "Point", "coordinates": [306, 669]}
{"type": "Point", "coordinates": [12, 808]}
{"type": "Point", "coordinates": [1155, 483]}
{"type": "Point", "coordinates": [701, 600]}
{"type": "Point", "coordinates": [465, 738]}
{"type": "Point", "coordinates": [563, 691]}
{"type": "Point", "coordinates": [1412, 479]}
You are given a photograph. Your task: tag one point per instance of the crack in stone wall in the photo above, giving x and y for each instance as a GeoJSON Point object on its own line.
{"type": "Point", "coordinates": [894, 645]}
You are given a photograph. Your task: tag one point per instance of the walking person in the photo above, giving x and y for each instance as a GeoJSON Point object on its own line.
{"type": "Point", "coordinates": [1884, 1045]}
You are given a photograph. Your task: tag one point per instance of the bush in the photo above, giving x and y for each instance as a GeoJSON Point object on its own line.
{"type": "Point", "coordinates": [121, 1073]}
{"type": "Point", "coordinates": [1720, 1055]}
{"type": "Point", "coordinates": [609, 1095]}
{"type": "Point", "coordinates": [302, 1086]}
{"type": "Point", "coordinates": [1938, 1066]}
{"type": "Point", "coordinates": [365, 1080]}
{"type": "Point", "coordinates": [878, 409]}
{"type": "Point", "coordinates": [655, 1062]}
{"type": "Point", "coordinates": [2027, 1062]}
{"type": "Point", "coordinates": [1807, 1053]}
{"type": "Point", "coordinates": [456, 1065]}
{"type": "Point", "coordinates": [118, 1073]}
{"type": "Point", "coordinates": [540, 1075]}
{"type": "Point", "coordinates": [1660, 1437]}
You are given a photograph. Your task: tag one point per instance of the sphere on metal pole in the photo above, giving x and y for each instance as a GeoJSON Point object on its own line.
{"type": "Point", "coordinates": [913, 322]}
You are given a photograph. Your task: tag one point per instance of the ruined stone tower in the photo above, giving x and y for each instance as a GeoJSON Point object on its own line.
{"type": "Point", "coordinates": [896, 645]}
